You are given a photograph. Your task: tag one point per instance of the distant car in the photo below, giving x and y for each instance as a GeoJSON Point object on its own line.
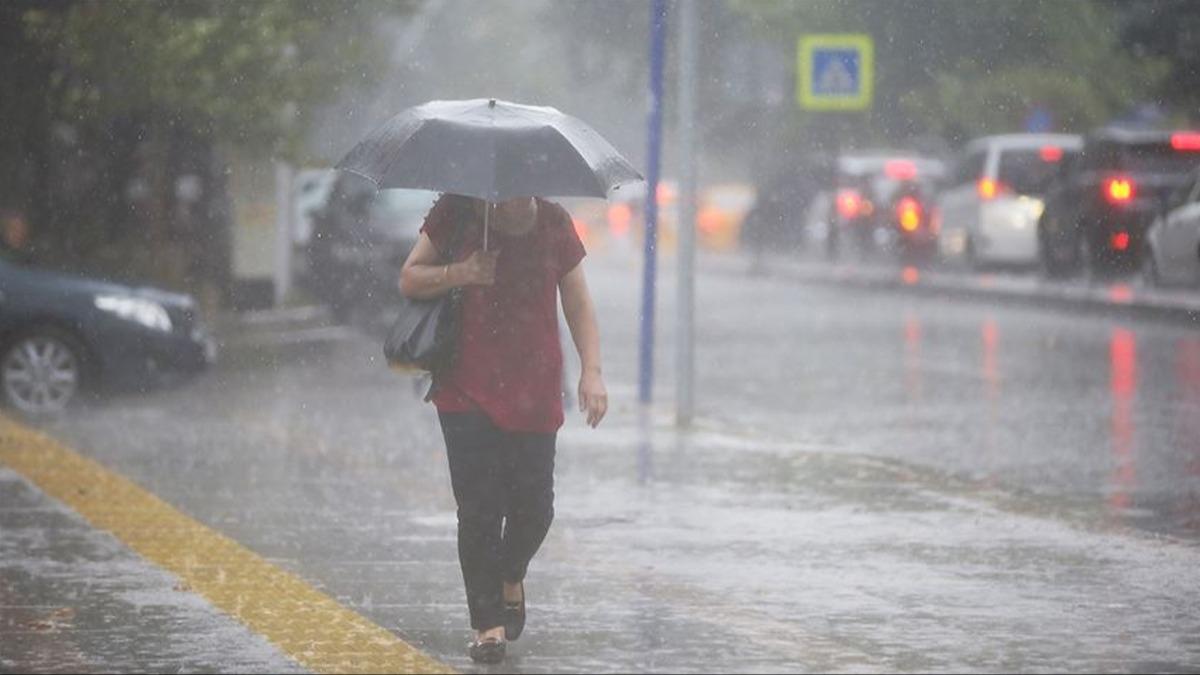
{"type": "Point", "coordinates": [881, 200]}
{"type": "Point", "coordinates": [818, 220]}
{"type": "Point", "coordinates": [1101, 204]}
{"type": "Point", "coordinates": [773, 220]}
{"type": "Point", "coordinates": [360, 240]}
{"type": "Point", "coordinates": [60, 333]}
{"type": "Point", "coordinates": [1173, 241]}
{"type": "Point", "coordinates": [309, 195]}
{"type": "Point", "coordinates": [989, 210]}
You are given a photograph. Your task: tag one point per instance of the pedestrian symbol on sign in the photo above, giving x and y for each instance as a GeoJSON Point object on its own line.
{"type": "Point", "coordinates": [835, 72]}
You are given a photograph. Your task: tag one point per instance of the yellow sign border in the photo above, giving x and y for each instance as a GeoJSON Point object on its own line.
{"type": "Point", "coordinates": [860, 42]}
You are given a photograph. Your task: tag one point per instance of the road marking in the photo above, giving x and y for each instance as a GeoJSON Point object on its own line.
{"type": "Point", "coordinates": [304, 623]}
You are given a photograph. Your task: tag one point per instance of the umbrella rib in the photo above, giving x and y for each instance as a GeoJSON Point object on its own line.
{"type": "Point", "coordinates": [542, 123]}
{"type": "Point", "coordinates": [356, 172]}
{"type": "Point", "coordinates": [422, 119]}
{"type": "Point", "coordinates": [596, 156]}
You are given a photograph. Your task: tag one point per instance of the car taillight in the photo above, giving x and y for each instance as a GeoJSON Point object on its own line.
{"type": "Point", "coordinates": [1187, 141]}
{"type": "Point", "coordinates": [990, 189]}
{"type": "Point", "coordinates": [900, 169]}
{"type": "Point", "coordinates": [849, 203]}
{"type": "Point", "coordinates": [908, 214]}
{"type": "Point", "coordinates": [1119, 241]}
{"type": "Point", "coordinates": [1051, 153]}
{"type": "Point", "coordinates": [1119, 190]}
{"type": "Point", "coordinates": [620, 217]}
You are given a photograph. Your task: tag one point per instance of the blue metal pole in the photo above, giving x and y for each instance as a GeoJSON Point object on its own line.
{"type": "Point", "coordinates": [658, 34]}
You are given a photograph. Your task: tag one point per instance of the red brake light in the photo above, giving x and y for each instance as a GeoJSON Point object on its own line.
{"type": "Point", "coordinates": [1120, 241]}
{"type": "Point", "coordinates": [849, 203]}
{"type": "Point", "coordinates": [990, 189]}
{"type": "Point", "coordinates": [908, 213]}
{"type": "Point", "coordinates": [1119, 190]}
{"type": "Point", "coordinates": [1189, 141]}
{"type": "Point", "coordinates": [620, 216]}
{"type": "Point", "coordinates": [1051, 153]}
{"type": "Point", "coordinates": [900, 169]}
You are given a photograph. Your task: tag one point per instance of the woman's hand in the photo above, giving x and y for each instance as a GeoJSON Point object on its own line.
{"type": "Point", "coordinates": [424, 276]}
{"type": "Point", "coordinates": [593, 397]}
{"type": "Point", "coordinates": [477, 270]}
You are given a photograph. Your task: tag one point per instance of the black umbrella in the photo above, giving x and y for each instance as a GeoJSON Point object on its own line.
{"type": "Point", "coordinates": [493, 150]}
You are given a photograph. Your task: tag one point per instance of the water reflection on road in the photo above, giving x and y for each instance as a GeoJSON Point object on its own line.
{"type": "Point", "coordinates": [1092, 411]}
{"type": "Point", "coordinates": [1123, 367]}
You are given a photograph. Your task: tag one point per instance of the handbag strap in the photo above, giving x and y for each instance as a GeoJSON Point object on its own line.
{"type": "Point", "coordinates": [462, 212]}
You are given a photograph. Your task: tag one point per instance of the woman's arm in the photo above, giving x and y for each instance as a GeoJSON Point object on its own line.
{"type": "Point", "coordinates": [424, 276]}
{"type": "Point", "coordinates": [581, 319]}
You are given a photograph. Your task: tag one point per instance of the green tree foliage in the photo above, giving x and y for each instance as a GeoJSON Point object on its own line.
{"type": "Point", "coordinates": [961, 68]}
{"type": "Point", "coordinates": [1168, 30]}
{"type": "Point", "coordinates": [120, 98]}
{"type": "Point", "coordinates": [246, 71]}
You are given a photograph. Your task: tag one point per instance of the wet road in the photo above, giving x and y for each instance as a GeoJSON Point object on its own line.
{"type": "Point", "coordinates": [876, 482]}
{"type": "Point", "coordinates": [1093, 412]}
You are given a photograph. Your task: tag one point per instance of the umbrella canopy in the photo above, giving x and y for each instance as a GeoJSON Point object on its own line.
{"type": "Point", "coordinates": [493, 150]}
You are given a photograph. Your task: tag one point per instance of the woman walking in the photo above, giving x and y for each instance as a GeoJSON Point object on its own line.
{"type": "Point", "coordinates": [500, 404]}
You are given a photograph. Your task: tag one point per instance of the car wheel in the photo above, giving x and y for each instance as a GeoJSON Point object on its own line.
{"type": "Point", "coordinates": [1098, 263]}
{"type": "Point", "coordinates": [971, 253]}
{"type": "Point", "coordinates": [1150, 269]}
{"type": "Point", "coordinates": [41, 372]}
{"type": "Point", "coordinates": [1056, 265]}
{"type": "Point", "coordinates": [832, 243]}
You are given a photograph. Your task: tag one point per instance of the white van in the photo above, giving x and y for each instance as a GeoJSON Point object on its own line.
{"type": "Point", "coordinates": [988, 210]}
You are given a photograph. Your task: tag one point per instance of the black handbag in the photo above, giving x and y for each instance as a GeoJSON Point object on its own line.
{"type": "Point", "coordinates": [424, 336]}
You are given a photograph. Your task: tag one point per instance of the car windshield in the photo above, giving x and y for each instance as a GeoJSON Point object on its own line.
{"type": "Point", "coordinates": [1158, 158]}
{"type": "Point", "coordinates": [1029, 171]}
{"type": "Point", "coordinates": [399, 213]}
{"type": "Point", "coordinates": [884, 174]}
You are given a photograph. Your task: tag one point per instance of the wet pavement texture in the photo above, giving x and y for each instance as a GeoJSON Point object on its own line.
{"type": "Point", "coordinates": [1084, 408]}
{"type": "Point", "coordinates": [74, 599]}
{"type": "Point", "coordinates": [875, 482]}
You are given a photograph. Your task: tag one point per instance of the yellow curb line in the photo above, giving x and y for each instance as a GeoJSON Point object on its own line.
{"type": "Point", "coordinates": [306, 624]}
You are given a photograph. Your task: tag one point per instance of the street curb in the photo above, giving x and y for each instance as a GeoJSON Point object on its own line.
{"type": "Point", "coordinates": [1120, 299]}
{"type": "Point", "coordinates": [276, 320]}
{"type": "Point", "coordinates": [281, 315]}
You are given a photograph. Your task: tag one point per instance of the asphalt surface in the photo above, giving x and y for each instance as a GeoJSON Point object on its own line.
{"type": "Point", "coordinates": [876, 481]}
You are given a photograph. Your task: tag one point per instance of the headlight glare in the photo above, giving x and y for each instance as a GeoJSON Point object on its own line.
{"type": "Point", "coordinates": [139, 310]}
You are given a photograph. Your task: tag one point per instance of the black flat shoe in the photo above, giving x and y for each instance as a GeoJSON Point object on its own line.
{"type": "Point", "coordinates": [491, 650]}
{"type": "Point", "coordinates": [514, 616]}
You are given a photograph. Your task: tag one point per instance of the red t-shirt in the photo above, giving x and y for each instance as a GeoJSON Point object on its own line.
{"type": "Point", "coordinates": [509, 362]}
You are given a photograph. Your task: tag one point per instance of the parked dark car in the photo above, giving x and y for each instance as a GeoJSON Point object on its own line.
{"type": "Point", "coordinates": [60, 334]}
{"type": "Point", "coordinates": [359, 242]}
{"type": "Point", "coordinates": [1102, 202]}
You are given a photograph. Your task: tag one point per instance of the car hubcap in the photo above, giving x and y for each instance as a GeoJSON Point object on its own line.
{"type": "Point", "coordinates": [41, 375]}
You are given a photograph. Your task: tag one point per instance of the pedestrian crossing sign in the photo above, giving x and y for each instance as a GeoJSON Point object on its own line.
{"type": "Point", "coordinates": [835, 72]}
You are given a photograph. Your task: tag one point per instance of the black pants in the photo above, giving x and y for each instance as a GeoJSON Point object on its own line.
{"type": "Point", "coordinates": [504, 485]}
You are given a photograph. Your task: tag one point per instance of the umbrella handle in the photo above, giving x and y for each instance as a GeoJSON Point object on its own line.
{"type": "Point", "coordinates": [487, 209]}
